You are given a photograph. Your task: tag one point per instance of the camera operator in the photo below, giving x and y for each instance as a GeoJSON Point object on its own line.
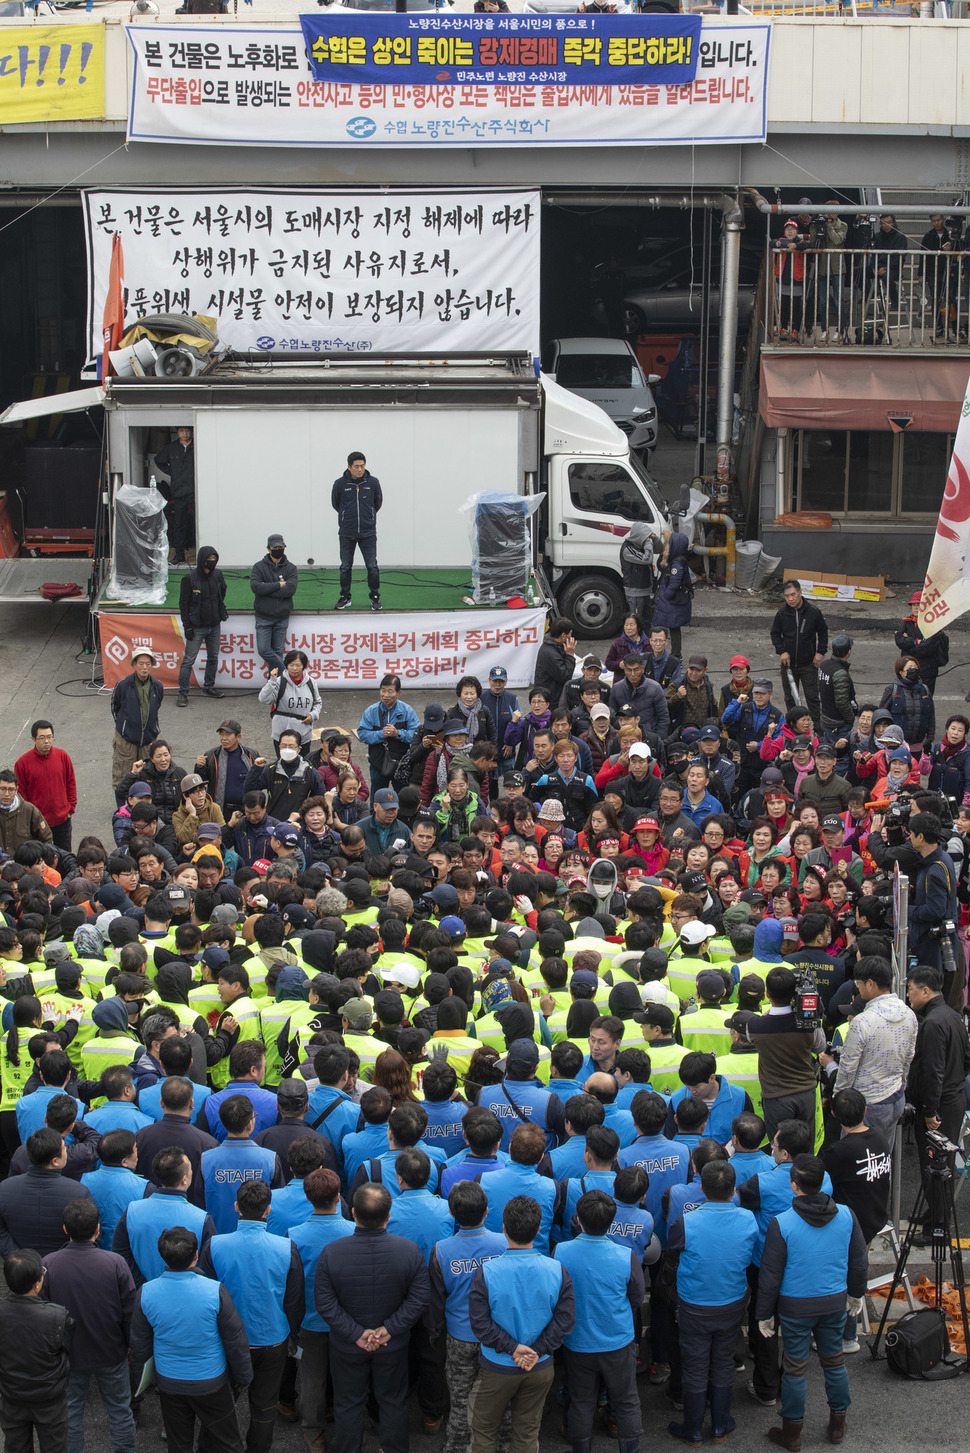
{"type": "Point", "coordinates": [933, 912]}
{"type": "Point", "coordinates": [888, 270]}
{"type": "Point", "coordinates": [826, 240]}
{"type": "Point", "coordinates": [935, 1085]}
{"type": "Point", "coordinates": [787, 1053]}
{"type": "Point", "coordinates": [945, 238]}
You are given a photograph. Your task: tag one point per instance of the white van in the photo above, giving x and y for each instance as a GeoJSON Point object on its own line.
{"type": "Point", "coordinates": [607, 372]}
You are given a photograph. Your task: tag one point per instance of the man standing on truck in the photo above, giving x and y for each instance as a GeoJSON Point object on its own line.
{"type": "Point", "coordinates": [273, 581]}
{"type": "Point", "coordinates": [177, 460]}
{"type": "Point", "coordinates": [357, 497]}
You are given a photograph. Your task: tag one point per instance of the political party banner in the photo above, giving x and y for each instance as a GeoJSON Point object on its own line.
{"type": "Point", "coordinates": [51, 73]}
{"type": "Point", "coordinates": [495, 50]}
{"type": "Point", "coordinates": [946, 592]}
{"type": "Point", "coordinates": [430, 648]}
{"type": "Point", "coordinates": [239, 86]}
{"type": "Point", "coordinates": [326, 271]}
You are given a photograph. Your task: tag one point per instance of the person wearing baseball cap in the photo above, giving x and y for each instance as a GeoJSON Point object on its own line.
{"type": "Point", "coordinates": [930, 654]}
{"type": "Point", "coordinates": [823, 787]}
{"type": "Point", "coordinates": [273, 581]}
{"type": "Point", "coordinates": [135, 703]}
{"type": "Point", "coordinates": [749, 719]}
{"type": "Point", "coordinates": [383, 831]}
{"type": "Point", "coordinates": [520, 1097]}
{"type": "Point", "coordinates": [590, 677]}
{"type": "Point", "coordinates": [691, 699]}
{"type": "Point", "coordinates": [197, 808]}
{"type": "Point", "coordinates": [647, 845]}
{"type": "Point", "coordinates": [499, 704]}
{"type": "Point", "coordinates": [224, 768]}
{"type": "Point", "coordinates": [692, 953]}
{"type": "Point", "coordinates": [702, 1026]}
{"type": "Point", "coordinates": [738, 684]}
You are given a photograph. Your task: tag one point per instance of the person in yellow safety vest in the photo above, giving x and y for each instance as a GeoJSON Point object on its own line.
{"type": "Point", "coordinates": [655, 986]}
{"type": "Point", "coordinates": [740, 1062]}
{"type": "Point", "coordinates": [625, 1004]}
{"type": "Point", "coordinates": [173, 986]}
{"type": "Point", "coordinates": [768, 939]}
{"type": "Point", "coordinates": [16, 1068]}
{"type": "Point", "coordinates": [682, 971]}
{"type": "Point", "coordinates": [360, 908]}
{"type": "Point", "coordinates": [240, 1010]}
{"type": "Point", "coordinates": [157, 931]}
{"type": "Point", "coordinates": [114, 1043]}
{"type": "Point", "coordinates": [450, 1036]}
{"type": "Point", "coordinates": [269, 933]}
{"type": "Point", "coordinates": [88, 943]}
{"type": "Point", "coordinates": [68, 1001]}
{"type": "Point", "coordinates": [356, 1018]}
{"type": "Point", "coordinates": [704, 1026]}
{"type": "Point", "coordinates": [283, 1014]}
{"type": "Point", "coordinates": [664, 1051]}
{"type": "Point", "coordinates": [204, 997]}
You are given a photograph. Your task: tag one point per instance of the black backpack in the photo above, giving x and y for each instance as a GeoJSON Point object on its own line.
{"type": "Point", "coordinates": [918, 1346]}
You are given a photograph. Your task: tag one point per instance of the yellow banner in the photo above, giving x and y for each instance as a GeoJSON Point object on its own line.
{"type": "Point", "coordinates": [51, 73]}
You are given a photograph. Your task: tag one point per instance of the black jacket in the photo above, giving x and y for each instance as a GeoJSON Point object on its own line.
{"type": "Point", "coordinates": [273, 601]}
{"type": "Point", "coordinates": [553, 669]}
{"type": "Point", "coordinates": [288, 790]}
{"type": "Point", "coordinates": [818, 1211]}
{"type": "Point", "coordinates": [127, 713]}
{"type": "Point", "coordinates": [357, 502]}
{"type": "Point", "coordinates": [175, 1130]}
{"type": "Point", "coordinates": [202, 597]}
{"type": "Point", "coordinates": [178, 462]}
{"type": "Point", "coordinates": [32, 1210]}
{"type": "Point", "coordinates": [933, 901]}
{"type": "Point", "coordinates": [802, 633]}
{"type": "Point", "coordinates": [98, 1290]}
{"type": "Point", "coordinates": [942, 1059]}
{"type": "Point", "coordinates": [371, 1279]}
{"type": "Point", "coordinates": [34, 1341]}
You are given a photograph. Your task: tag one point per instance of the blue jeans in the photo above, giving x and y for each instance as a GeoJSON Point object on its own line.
{"type": "Point", "coordinates": [210, 639]}
{"type": "Point", "coordinates": [270, 640]}
{"type": "Point", "coordinates": [115, 1389]}
{"type": "Point", "coordinates": [796, 1336]}
{"type": "Point", "coordinates": [368, 549]}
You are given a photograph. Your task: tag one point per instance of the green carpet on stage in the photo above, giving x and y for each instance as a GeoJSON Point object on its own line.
{"type": "Point", "coordinates": [318, 590]}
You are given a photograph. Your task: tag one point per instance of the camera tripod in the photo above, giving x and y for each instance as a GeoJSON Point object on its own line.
{"type": "Point", "coordinates": [935, 1204]}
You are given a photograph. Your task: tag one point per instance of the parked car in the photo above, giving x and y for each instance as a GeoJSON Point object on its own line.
{"type": "Point", "coordinates": [606, 371]}
{"type": "Point", "coordinates": [664, 293]}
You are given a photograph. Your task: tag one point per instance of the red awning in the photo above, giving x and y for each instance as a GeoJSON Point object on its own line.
{"type": "Point", "coordinates": [860, 391]}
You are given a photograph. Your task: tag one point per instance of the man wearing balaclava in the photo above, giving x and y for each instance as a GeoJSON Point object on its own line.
{"type": "Point", "coordinates": [202, 606]}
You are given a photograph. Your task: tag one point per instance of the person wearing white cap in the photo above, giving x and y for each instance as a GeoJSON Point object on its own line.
{"type": "Point", "coordinates": [135, 704]}
{"type": "Point", "coordinates": [694, 938]}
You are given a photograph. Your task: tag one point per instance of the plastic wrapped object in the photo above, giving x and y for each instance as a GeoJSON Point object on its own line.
{"type": "Point", "coordinates": [139, 574]}
{"type": "Point", "coordinates": [501, 542]}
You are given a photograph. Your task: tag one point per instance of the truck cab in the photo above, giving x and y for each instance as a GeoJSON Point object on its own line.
{"type": "Point", "coordinates": [595, 490]}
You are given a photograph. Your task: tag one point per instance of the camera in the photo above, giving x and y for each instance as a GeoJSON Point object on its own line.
{"type": "Point", "coordinates": [940, 1151]}
{"type": "Point", "coordinates": [817, 230]}
{"type": "Point", "coordinates": [806, 1005]}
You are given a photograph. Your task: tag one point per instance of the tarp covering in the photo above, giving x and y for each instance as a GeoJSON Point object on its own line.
{"type": "Point", "coordinates": [861, 391]}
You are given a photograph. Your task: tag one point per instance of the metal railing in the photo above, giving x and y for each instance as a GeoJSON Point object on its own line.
{"type": "Point", "coordinates": [903, 300]}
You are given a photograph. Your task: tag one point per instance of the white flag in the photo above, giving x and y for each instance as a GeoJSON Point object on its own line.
{"type": "Point", "coordinates": [946, 592]}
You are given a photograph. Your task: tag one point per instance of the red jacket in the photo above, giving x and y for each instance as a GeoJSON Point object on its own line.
{"type": "Point", "coordinates": [48, 782]}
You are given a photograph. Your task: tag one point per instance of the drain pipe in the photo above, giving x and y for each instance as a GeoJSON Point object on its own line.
{"type": "Point", "coordinates": [733, 223]}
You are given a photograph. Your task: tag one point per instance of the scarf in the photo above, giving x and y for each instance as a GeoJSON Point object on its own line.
{"type": "Point", "coordinates": [11, 806]}
{"type": "Point", "coordinates": [472, 716]}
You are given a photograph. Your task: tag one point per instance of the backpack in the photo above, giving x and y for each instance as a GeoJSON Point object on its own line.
{"type": "Point", "coordinates": [918, 1346]}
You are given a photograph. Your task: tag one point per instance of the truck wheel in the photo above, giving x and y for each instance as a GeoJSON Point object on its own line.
{"type": "Point", "coordinates": [595, 604]}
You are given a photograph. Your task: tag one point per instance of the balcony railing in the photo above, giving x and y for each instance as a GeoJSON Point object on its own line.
{"type": "Point", "coordinates": [903, 300]}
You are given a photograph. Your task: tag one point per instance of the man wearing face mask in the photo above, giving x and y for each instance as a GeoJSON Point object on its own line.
{"type": "Point", "coordinates": [202, 606]}
{"type": "Point", "coordinates": [273, 581]}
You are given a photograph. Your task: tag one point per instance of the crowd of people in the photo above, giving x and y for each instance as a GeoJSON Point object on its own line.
{"type": "Point", "coordinates": [348, 1083]}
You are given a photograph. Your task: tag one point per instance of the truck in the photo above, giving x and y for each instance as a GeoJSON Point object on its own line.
{"type": "Point", "coordinates": [272, 432]}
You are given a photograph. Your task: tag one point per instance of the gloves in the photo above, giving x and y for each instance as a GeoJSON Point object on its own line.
{"type": "Point", "coordinates": [189, 635]}
{"type": "Point", "coordinates": [767, 1327]}
{"type": "Point", "coordinates": [853, 1305]}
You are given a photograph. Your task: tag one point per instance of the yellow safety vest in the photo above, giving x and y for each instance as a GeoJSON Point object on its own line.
{"type": "Point", "coordinates": [704, 1029]}
{"type": "Point", "coordinates": [682, 977]}
{"type": "Point", "coordinates": [55, 1007]}
{"type": "Point", "coordinates": [742, 1070]}
{"type": "Point", "coordinates": [272, 1018]}
{"type": "Point", "coordinates": [204, 1002]}
{"type": "Point", "coordinates": [103, 1051]}
{"type": "Point", "coordinates": [13, 1077]}
{"type": "Point", "coordinates": [664, 1062]}
{"type": "Point", "coordinates": [245, 1011]}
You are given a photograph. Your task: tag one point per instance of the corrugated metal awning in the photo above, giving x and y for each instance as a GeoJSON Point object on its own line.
{"type": "Point", "coordinates": [849, 390]}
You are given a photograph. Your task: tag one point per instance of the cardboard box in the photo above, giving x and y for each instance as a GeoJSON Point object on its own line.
{"type": "Point", "coordinates": [828, 585]}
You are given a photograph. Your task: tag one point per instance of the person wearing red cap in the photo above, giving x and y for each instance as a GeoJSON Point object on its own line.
{"type": "Point", "coordinates": [930, 654]}
{"type": "Point", "coordinates": [788, 268]}
{"type": "Point", "coordinates": [739, 684]}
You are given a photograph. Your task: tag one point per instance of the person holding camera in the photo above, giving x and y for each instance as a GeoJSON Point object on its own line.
{"type": "Point", "coordinates": [879, 1046]}
{"type": "Point", "coordinates": [935, 1084]}
{"type": "Point", "coordinates": [788, 266]}
{"type": "Point", "coordinates": [787, 1053]}
{"type": "Point", "coordinates": [933, 911]}
{"type": "Point", "coordinates": [944, 238]}
{"type": "Point", "coordinates": [826, 239]}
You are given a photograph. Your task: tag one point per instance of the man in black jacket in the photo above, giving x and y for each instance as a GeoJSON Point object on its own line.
{"type": "Point", "coordinates": [929, 654]}
{"type": "Point", "coordinates": [135, 703]}
{"type": "Point", "coordinates": [32, 1205]}
{"type": "Point", "coordinates": [371, 1288]}
{"type": "Point", "coordinates": [177, 460]}
{"type": "Point", "coordinates": [556, 660]}
{"type": "Point", "coordinates": [940, 1065]}
{"type": "Point", "coordinates": [202, 606]}
{"type": "Point", "coordinates": [800, 637]}
{"type": "Point", "coordinates": [933, 905]}
{"type": "Point", "coordinates": [273, 581]}
{"type": "Point", "coordinates": [34, 1341]}
{"type": "Point", "coordinates": [175, 1129]}
{"type": "Point", "coordinates": [357, 498]}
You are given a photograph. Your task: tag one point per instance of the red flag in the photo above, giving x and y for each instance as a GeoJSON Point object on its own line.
{"type": "Point", "coordinates": [113, 319]}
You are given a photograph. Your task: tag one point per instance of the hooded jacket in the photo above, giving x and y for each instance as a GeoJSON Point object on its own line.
{"type": "Point", "coordinates": [675, 594]}
{"type": "Point", "coordinates": [637, 557]}
{"type": "Point", "coordinates": [273, 602]}
{"type": "Point", "coordinates": [814, 1254]}
{"type": "Point", "coordinates": [20, 823]}
{"type": "Point", "coordinates": [202, 597]}
{"type": "Point", "coordinates": [911, 707]}
{"type": "Point", "coordinates": [878, 1049]}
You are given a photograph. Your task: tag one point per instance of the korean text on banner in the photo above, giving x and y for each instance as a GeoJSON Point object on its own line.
{"type": "Point", "coordinates": [497, 50]}
{"type": "Point", "coordinates": [237, 86]}
{"type": "Point", "coordinates": [946, 592]}
{"type": "Point", "coordinates": [429, 649]}
{"type": "Point", "coordinates": [51, 73]}
{"type": "Point", "coordinates": [326, 272]}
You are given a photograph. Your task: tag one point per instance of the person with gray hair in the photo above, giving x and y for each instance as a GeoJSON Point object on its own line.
{"type": "Point", "coordinates": [330, 903]}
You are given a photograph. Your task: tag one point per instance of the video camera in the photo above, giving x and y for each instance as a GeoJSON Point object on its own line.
{"type": "Point", "coordinates": [940, 1152]}
{"type": "Point", "coordinates": [806, 1005]}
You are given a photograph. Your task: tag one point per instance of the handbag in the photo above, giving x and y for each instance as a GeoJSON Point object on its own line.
{"type": "Point", "coordinates": [918, 1346]}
